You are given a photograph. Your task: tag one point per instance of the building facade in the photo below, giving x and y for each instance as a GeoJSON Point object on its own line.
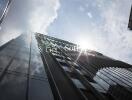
{"type": "Point", "coordinates": [88, 74]}
{"type": "Point", "coordinates": [41, 67]}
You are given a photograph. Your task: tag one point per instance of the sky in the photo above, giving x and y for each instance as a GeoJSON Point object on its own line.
{"type": "Point", "coordinates": [102, 24]}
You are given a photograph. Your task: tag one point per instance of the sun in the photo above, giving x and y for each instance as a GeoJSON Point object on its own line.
{"type": "Point", "coordinates": [86, 45]}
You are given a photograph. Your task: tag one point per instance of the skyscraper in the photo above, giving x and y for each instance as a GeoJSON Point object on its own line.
{"type": "Point", "coordinates": [22, 73]}
{"type": "Point", "coordinates": [88, 74]}
{"type": "Point", "coordinates": [41, 67]}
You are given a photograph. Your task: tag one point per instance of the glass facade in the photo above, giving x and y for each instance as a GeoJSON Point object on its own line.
{"type": "Point", "coordinates": [93, 75]}
{"type": "Point", "coordinates": [46, 68]}
{"type": "Point", "coordinates": [22, 73]}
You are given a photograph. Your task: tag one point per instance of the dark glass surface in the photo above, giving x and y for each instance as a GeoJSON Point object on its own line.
{"type": "Point", "coordinates": [22, 73]}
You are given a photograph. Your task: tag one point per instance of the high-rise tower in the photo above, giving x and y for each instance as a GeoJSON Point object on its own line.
{"type": "Point", "coordinates": [41, 67]}
{"type": "Point", "coordinates": [22, 73]}
{"type": "Point", "coordinates": [77, 74]}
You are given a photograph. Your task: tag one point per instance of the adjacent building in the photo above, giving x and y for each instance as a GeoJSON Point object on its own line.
{"type": "Point", "coordinates": [130, 20]}
{"type": "Point", "coordinates": [22, 73]}
{"type": "Point", "coordinates": [4, 6]}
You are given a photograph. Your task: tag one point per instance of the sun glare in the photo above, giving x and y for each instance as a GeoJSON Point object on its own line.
{"type": "Point", "coordinates": [85, 44]}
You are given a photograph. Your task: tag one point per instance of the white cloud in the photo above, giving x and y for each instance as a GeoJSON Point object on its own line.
{"type": "Point", "coordinates": [43, 14]}
{"type": "Point", "coordinates": [110, 36]}
{"type": "Point", "coordinates": [28, 15]}
{"type": "Point", "coordinates": [89, 15]}
{"type": "Point", "coordinates": [82, 9]}
{"type": "Point", "coordinates": [118, 41]}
